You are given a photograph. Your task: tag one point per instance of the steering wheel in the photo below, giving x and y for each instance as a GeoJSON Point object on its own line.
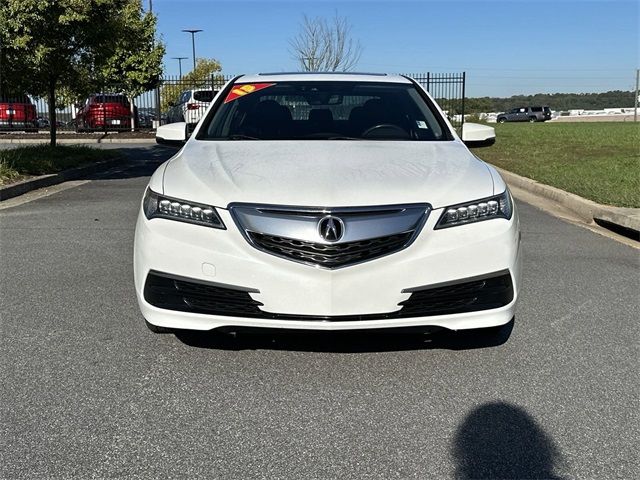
{"type": "Point", "coordinates": [389, 126]}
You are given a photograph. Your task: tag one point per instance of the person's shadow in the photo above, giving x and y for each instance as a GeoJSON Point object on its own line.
{"type": "Point", "coordinates": [502, 441]}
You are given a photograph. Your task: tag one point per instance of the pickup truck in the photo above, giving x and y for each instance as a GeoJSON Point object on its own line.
{"type": "Point", "coordinates": [17, 113]}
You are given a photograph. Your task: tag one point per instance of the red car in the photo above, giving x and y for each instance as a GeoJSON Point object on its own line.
{"type": "Point", "coordinates": [18, 113]}
{"type": "Point", "coordinates": [105, 111]}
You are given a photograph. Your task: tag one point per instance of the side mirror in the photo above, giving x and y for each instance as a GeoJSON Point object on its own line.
{"type": "Point", "coordinates": [174, 134]}
{"type": "Point", "coordinates": [477, 135]}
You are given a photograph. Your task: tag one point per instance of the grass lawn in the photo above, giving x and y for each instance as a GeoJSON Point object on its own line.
{"type": "Point", "coordinates": [596, 160]}
{"type": "Point", "coordinates": [19, 162]}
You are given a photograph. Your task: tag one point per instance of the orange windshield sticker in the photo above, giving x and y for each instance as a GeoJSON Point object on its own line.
{"type": "Point", "coordinates": [241, 90]}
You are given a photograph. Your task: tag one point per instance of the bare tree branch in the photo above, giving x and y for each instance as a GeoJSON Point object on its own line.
{"type": "Point", "coordinates": [325, 45]}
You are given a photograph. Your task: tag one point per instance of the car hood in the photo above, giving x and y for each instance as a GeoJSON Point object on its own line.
{"type": "Point", "coordinates": [333, 173]}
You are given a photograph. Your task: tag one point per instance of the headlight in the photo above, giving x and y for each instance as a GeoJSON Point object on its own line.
{"type": "Point", "coordinates": [159, 206]}
{"type": "Point", "coordinates": [499, 206]}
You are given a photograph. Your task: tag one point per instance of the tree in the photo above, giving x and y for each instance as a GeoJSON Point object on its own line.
{"type": "Point", "coordinates": [557, 101]}
{"type": "Point", "coordinates": [65, 48]}
{"type": "Point", "coordinates": [325, 45]}
{"type": "Point", "coordinates": [202, 77]}
{"type": "Point", "coordinates": [135, 65]}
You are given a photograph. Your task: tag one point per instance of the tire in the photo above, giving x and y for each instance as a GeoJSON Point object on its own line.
{"type": "Point", "coordinates": [502, 120]}
{"type": "Point", "coordinates": [156, 328]}
{"type": "Point", "coordinates": [533, 119]}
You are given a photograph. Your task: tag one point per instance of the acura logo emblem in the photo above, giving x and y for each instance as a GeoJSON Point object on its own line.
{"type": "Point", "coordinates": [331, 228]}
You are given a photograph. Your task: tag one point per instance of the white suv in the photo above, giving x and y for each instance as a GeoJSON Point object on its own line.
{"type": "Point", "coordinates": [190, 106]}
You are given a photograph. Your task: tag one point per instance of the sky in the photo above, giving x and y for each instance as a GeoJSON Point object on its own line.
{"type": "Point", "coordinates": [505, 47]}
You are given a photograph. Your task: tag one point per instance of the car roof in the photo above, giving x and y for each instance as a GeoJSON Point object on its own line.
{"type": "Point", "coordinates": [15, 99]}
{"type": "Point", "coordinates": [322, 77]}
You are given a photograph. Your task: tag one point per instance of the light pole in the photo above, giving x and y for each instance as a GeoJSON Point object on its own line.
{"type": "Point", "coordinates": [635, 110]}
{"type": "Point", "coordinates": [193, 43]}
{"type": "Point", "coordinates": [180, 63]}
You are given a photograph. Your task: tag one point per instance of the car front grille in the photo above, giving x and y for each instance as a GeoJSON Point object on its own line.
{"type": "Point", "coordinates": [357, 234]}
{"type": "Point", "coordinates": [330, 255]}
{"type": "Point", "coordinates": [194, 296]}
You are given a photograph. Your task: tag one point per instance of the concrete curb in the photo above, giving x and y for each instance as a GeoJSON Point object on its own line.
{"type": "Point", "coordinates": [586, 210]}
{"type": "Point", "coordinates": [15, 189]}
{"type": "Point", "coordinates": [77, 141]}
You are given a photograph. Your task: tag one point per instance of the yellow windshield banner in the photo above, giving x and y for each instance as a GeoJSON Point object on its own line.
{"type": "Point", "coordinates": [240, 90]}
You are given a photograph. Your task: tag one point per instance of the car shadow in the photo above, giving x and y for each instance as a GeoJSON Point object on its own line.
{"type": "Point", "coordinates": [136, 162]}
{"type": "Point", "coordinates": [501, 440]}
{"type": "Point", "coordinates": [352, 341]}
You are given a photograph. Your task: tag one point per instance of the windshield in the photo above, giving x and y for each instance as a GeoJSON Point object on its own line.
{"type": "Point", "coordinates": [203, 95]}
{"type": "Point", "coordinates": [16, 99]}
{"type": "Point", "coordinates": [324, 111]}
{"type": "Point", "coordinates": [110, 99]}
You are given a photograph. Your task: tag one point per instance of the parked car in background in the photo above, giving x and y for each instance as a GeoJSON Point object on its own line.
{"type": "Point", "coordinates": [190, 106]}
{"type": "Point", "coordinates": [525, 114]}
{"type": "Point", "coordinates": [17, 113]}
{"type": "Point", "coordinates": [42, 122]}
{"type": "Point", "coordinates": [105, 111]}
{"type": "Point", "coordinates": [146, 119]}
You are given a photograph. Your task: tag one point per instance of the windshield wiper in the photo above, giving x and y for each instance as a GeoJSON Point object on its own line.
{"type": "Point", "coordinates": [343, 138]}
{"type": "Point", "coordinates": [239, 136]}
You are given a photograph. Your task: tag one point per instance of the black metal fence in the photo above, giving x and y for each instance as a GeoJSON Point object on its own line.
{"type": "Point", "coordinates": [182, 99]}
{"type": "Point", "coordinates": [448, 89]}
{"type": "Point", "coordinates": [108, 111]}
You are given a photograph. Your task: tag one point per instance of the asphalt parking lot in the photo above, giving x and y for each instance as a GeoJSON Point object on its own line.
{"type": "Point", "coordinates": [88, 392]}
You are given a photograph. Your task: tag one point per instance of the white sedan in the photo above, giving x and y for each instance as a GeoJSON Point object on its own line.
{"type": "Point", "coordinates": [326, 202]}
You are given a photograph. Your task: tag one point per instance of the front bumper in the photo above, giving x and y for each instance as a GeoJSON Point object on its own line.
{"type": "Point", "coordinates": [109, 121]}
{"type": "Point", "coordinates": [17, 123]}
{"type": "Point", "coordinates": [298, 296]}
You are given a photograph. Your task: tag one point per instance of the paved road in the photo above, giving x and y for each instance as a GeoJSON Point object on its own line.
{"type": "Point", "coordinates": [87, 392]}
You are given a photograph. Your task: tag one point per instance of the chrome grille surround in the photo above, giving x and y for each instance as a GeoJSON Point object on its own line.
{"type": "Point", "coordinates": [292, 232]}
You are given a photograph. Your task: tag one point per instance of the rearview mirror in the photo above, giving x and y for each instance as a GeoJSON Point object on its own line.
{"type": "Point", "coordinates": [174, 134]}
{"type": "Point", "coordinates": [478, 135]}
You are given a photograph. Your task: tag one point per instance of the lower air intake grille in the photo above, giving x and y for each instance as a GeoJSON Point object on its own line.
{"type": "Point", "coordinates": [471, 296]}
{"type": "Point", "coordinates": [330, 255]}
{"type": "Point", "coordinates": [185, 295]}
